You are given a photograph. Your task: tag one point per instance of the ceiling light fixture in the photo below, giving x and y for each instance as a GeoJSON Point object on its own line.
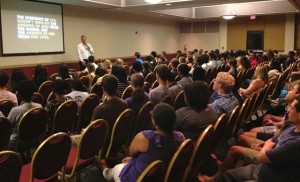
{"type": "Point", "coordinates": [228, 14]}
{"type": "Point", "coordinates": [153, 1]}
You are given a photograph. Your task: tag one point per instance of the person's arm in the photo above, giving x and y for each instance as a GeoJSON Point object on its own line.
{"type": "Point", "coordinates": [262, 157]}
{"type": "Point", "coordinates": [79, 53]}
{"type": "Point", "coordinates": [91, 49]}
{"type": "Point", "coordinates": [251, 89]}
{"type": "Point", "coordinates": [139, 144]}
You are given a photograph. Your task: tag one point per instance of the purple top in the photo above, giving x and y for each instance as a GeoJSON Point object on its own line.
{"type": "Point", "coordinates": [136, 105]}
{"type": "Point", "coordinates": [157, 150]}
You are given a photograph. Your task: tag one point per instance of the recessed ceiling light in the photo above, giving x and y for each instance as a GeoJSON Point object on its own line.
{"type": "Point", "coordinates": [169, 4]}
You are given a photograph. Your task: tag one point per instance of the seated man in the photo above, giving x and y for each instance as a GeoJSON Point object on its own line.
{"type": "Point", "coordinates": [157, 94]}
{"type": "Point", "coordinates": [183, 72]}
{"type": "Point", "coordinates": [277, 160]}
{"type": "Point", "coordinates": [78, 94]}
{"type": "Point", "coordinates": [25, 91]}
{"type": "Point", "coordinates": [225, 101]}
{"type": "Point", "coordinates": [4, 93]}
{"type": "Point", "coordinates": [194, 118]}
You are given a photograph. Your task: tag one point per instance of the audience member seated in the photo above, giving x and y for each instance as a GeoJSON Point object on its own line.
{"type": "Point", "coordinates": [173, 87]}
{"type": "Point", "coordinates": [261, 79]}
{"type": "Point", "coordinates": [138, 96]}
{"type": "Point", "coordinates": [120, 73]}
{"type": "Point", "coordinates": [233, 67]}
{"type": "Point", "coordinates": [91, 69]}
{"type": "Point", "coordinates": [290, 59]}
{"type": "Point", "coordinates": [252, 59]}
{"type": "Point", "coordinates": [275, 70]}
{"type": "Point", "coordinates": [137, 67]}
{"type": "Point", "coordinates": [194, 118]}
{"type": "Point", "coordinates": [138, 57]}
{"type": "Point", "coordinates": [225, 101]}
{"type": "Point", "coordinates": [183, 72]}
{"type": "Point", "coordinates": [199, 61]}
{"type": "Point", "coordinates": [146, 68]}
{"type": "Point", "coordinates": [106, 65]}
{"type": "Point", "coordinates": [160, 92]}
{"type": "Point", "coordinates": [173, 65]}
{"type": "Point", "coordinates": [163, 58]}
{"type": "Point", "coordinates": [40, 75]}
{"type": "Point", "coordinates": [58, 88]}
{"type": "Point", "coordinates": [17, 77]}
{"type": "Point", "coordinates": [91, 59]}
{"type": "Point", "coordinates": [243, 63]}
{"type": "Point", "coordinates": [119, 62]}
{"type": "Point", "coordinates": [212, 62]}
{"type": "Point", "coordinates": [4, 93]}
{"type": "Point", "coordinates": [277, 159]}
{"type": "Point", "coordinates": [25, 91]}
{"type": "Point", "coordinates": [198, 74]}
{"type": "Point", "coordinates": [63, 72]}
{"type": "Point", "coordinates": [77, 94]}
{"type": "Point", "coordinates": [113, 107]}
{"type": "Point", "coordinates": [148, 146]}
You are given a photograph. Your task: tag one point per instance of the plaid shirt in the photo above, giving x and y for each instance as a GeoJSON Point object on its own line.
{"type": "Point", "coordinates": [224, 104]}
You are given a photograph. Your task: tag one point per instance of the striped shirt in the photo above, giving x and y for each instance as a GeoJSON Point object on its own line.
{"type": "Point", "coordinates": [224, 104]}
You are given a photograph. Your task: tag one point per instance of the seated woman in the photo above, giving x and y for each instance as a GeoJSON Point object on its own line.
{"type": "Point", "coordinates": [194, 118]}
{"type": "Point", "coordinates": [63, 72]}
{"type": "Point", "coordinates": [148, 146]}
{"type": "Point", "coordinates": [275, 70]}
{"type": "Point", "coordinates": [261, 80]}
{"type": "Point", "coordinates": [120, 73]}
{"type": "Point", "coordinates": [17, 77]}
{"type": "Point", "coordinates": [243, 63]}
{"type": "Point", "coordinates": [233, 67]}
{"type": "Point", "coordinates": [40, 75]}
{"type": "Point", "coordinates": [138, 96]}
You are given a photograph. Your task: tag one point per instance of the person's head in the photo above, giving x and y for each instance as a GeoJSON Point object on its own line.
{"type": "Point", "coordinates": [162, 72]}
{"type": "Point", "coordinates": [59, 86]}
{"type": "Point", "coordinates": [196, 95]}
{"type": "Point", "coordinates": [174, 63]}
{"type": "Point", "coordinates": [137, 66]}
{"type": "Point", "coordinates": [119, 62]}
{"type": "Point", "coordinates": [137, 85]}
{"type": "Point", "coordinates": [171, 79]}
{"type": "Point", "coordinates": [100, 71]}
{"type": "Point", "coordinates": [293, 91]}
{"type": "Point", "coordinates": [110, 85]}
{"type": "Point", "coordinates": [63, 71]}
{"type": "Point", "coordinates": [4, 77]}
{"type": "Point", "coordinates": [106, 64]}
{"type": "Point", "coordinates": [232, 63]}
{"type": "Point", "coordinates": [83, 39]}
{"type": "Point", "coordinates": [183, 70]}
{"type": "Point", "coordinates": [212, 56]}
{"type": "Point", "coordinates": [137, 55]}
{"type": "Point", "coordinates": [17, 76]}
{"type": "Point", "coordinates": [262, 73]}
{"type": "Point", "coordinates": [163, 54]}
{"type": "Point", "coordinates": [154, 54]}
{"type": "Point", "coordinates": [294, 111]}
{"type": "Point", "coordinates": [224, 82]}
{"type": "Point", "coordinates": [40, 70]}
{"type": "Point", "coordinates": [90, 67]}
{"type": "Point", "coordinates": [291, 54]}
{"type": "Point", "coordinates": [164, 118]}
{"type": "Point", "coordinates": [182, 60]}
{"type": "Point", "coordinates": [199, 61]}
{"type": "Point", "coordinates": [294, 77]}
{"type": "Point", "coordinates": [275, 64]}
{"type": "Point", "coordinates": [120, 73]}
{"type": "Point", "coordinates": [146, 65]}
{"type": "Point", "coordinates": [77, 85]}
{"type": "Point", "coordinates": [198, 74]}
{"type": "Point", "coordinates": [244, 62]}
{"type": "Point", "coordinates": [91, 59]}
{"type": "Point", "coordinates": [26, 90]}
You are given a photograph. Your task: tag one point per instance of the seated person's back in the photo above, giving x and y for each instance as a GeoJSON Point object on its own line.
{"type": "Point", "coordinates": [78, 94]}
{"type": "Point", "coordinates": [4, 93]}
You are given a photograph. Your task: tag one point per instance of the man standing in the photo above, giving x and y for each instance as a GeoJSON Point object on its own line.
{"type": "Point", "coordinates": [84, 51]}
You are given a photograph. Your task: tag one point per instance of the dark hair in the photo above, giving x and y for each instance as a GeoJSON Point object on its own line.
{"type": "Point", "coordinates": [213, 56]}
{"type": "Point", "coordinates": [199, 61]}
{"type": "Point", "coordinates": [110, 84]}
{"type": "Point", "coordinates": [183, 69]}
{"type": "Point", "coordinates": [40, 75]}
{"type": "Point", "coordinates": [137, 54]}
{"type": "Point", "coordinates": [172, 77]}
{"type": "Point", "coordinates": [64, 71]}
{"type": "Point", "coordinates": [137, 66]}
{"type": "Point", "coordinates": [26, 90]}
{"type": "Point", "coordinates": [224, 55]}
{"type": "Point", "coordinates": [137, 81]}
{"type": "Point", "coordinates": [198, 74]}
{"type": "Point", "coordinates": [245, 62]}
{"type": "Point", "coordinates": [205, 57]}
{"type": "Point", "coordinates": [275, 64]}
{"type": "Point", "coordinates": [4, 77]}
{"type": "Point", "coordinates": [91, 59]}
{"type": "Point", "coordinates": [59, 86]}
{"type": "Point", "coordinates": [190, 59]}
{"type": "Point", "coordinates": [146, 65]}
{"type": "Point", "coordinates": [153, 53]}
{"type": "Point", "coordinates": [77, 85]}
{"type": "Point", "coordinates": [17, 76]}
{"type": "Point", "coordinates": [164, 52]}
{"type": "Point", "coordinates": [265, 58]}
{"type": "Point", "coordinates": [120, 73]}
{"type": "Point", "coordinates": [194, 98]}
{"type": "Point", "coordinates": [100, 71]}
{"type": "Point", "coordinates": [175, 62]}
{"type": "Point", "coordinates": [163, 71]}
{"type": "Point", "coordinates": [233, 62]}
{"type": "Point", "coordinates": [164, 117]}
{"type": "Point", "coordinates": [294, 77]}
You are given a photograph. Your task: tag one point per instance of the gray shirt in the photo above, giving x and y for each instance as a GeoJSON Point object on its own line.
{"type": "Point", "coordinates": [157, 94]}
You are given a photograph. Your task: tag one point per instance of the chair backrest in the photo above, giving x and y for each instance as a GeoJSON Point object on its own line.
{"type": "Point", "coordinates": [207, 75]}
{"type": "Point", "coordinates": [46, 88]}
{"type": "Point", "coordinates": [150, 78]}
{"type": "Point", "coordinates": [65, 117]}
{"type": "Point", "coordinates": [86, 81]}
{"type": "Point", "coordinates": [179, 162]}
{"type": "Point", "coordinates": [127, 92]}
{"type": "Point", "coordinates": [250, 106]}
{"type": "Point", "coordinates": [210, 86]}
{"type": "Point", "coordinates": [219, 129]}
{"type": "Point", "coordinates": [168, 100]}
{"type": "Point", "coordinates": [5, 132]}
{"type": "Point", "coordinates": [53, 76]}
{"type": "Point", "coordinates": [154, 84]}
{"type": "Point", "coordinates": [86, 111]}
{"type": "Point", "coordinates": [201, 149]}
{"type": "Point", "coordinates": [5, 106]}
{"type": "Point", "coordinates": [51, 97]}
{"type": "Point", "coordinates": [143, 119]}
{"type": "Point", "coordinates": [179, 101]}
{"type": "Point", "coordinates": [177, 78]}
{"type": "Point", "coordinates": [82, 73]}
{"type": "Point", "coordinates": [241, 115]}
{"type": "Point", "coordinates": [147, 87]}
{"type": "Point", "coordinates": [92, 140]}
{"type": "Point", "coordinates": [121, 132]}
{"type": "Point", "coordinates": [154, 172]}
{"type": "Point", "coordinates": [94, 80]}
{"type": "Point", "coordinates": [231, 122]}
{"type": "Point", "coordinates": [10, 166]}
{"type": "Point", "coordinates": [50, 157]}
{"type": "Point", "coordinates": [97, 89]}
{"type": "Point", "coordinates": [213, 74]}
{"type": "Point", "coordinates": [38, 98]}
{"type": "Point", "coordinates": [126, 68]}
{"type": "Point", "coordinates": [32, 126]}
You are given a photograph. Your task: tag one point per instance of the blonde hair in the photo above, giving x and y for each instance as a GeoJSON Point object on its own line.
{"type": "Point", "coordinates": [226, 80]}
{"type": "Point", "coordinates": [106, 64]}
{"type": "Point", "coordinates": [262, 73]}
{"type": "Point", "coordinates": [119, 62]}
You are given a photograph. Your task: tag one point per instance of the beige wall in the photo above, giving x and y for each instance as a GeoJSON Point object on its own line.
{"type": "Point", "coordinates": [111, 35]}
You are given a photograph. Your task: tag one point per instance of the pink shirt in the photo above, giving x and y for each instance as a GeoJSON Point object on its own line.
{"type": "Point", "coordinates": [4, 94]}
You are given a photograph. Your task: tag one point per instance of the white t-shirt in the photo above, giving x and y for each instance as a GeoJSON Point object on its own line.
{"type": "Point", "coordinates": [84, 51]}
